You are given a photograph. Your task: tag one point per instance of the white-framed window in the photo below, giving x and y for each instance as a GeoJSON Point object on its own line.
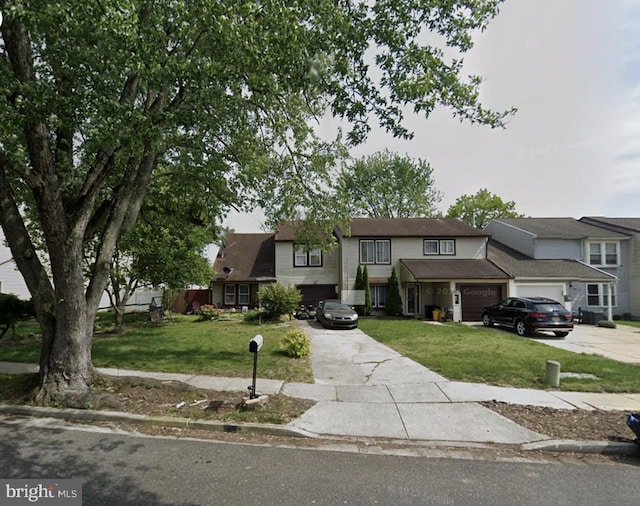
{"type": "Point", "coordinates": [431, 247]}
{"type": "Point", "coordinates": [244, 292]}
{"type": "Point", "coordinates": [379, 295]}
{"type": "Point", "coordinates": [304, 258]}
{"type": "Point", "coordinates": [315, 258]}
{"type": "Point", "coordinates": [439, 247]}
{"type": "Point", "coordinates": [598, 295]}
{"type": "Point", "coordinates": [376, 251]}
{"type": "Point", "coordinates": [604, 253]}
{"type": "Point", "coordinates": [367, 251]}
{"type": "Point", "coordinates": [229, 295]}
{"type": "Point", "coordinates": [300, 258]}
{"type": "Point", "coordinates": [447, 247]}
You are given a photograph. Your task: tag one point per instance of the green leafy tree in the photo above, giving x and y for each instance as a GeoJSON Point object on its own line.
{"type": "Point", "coordinates": [166, 246]}
{"type": "Point", "coordinates": [98, 97]}
{"type": "Point", "coordinates": [387, 185]}
{"type": "Point", "coordinates": [479, 209]}
{"type": "Point", "coordinates": [393, 305]}
{"type": "Point", "coordinates": [367, 292]}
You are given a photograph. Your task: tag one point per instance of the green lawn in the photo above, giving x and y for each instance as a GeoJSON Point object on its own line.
{"type": "Point", "coordinates": [182, 344]}
{"type": "Point", "coordinates": [462, 353]}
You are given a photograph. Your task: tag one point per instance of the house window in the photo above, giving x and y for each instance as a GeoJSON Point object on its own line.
{"type": "Point", "coordinates": [243, 295]}
{"type": "Point", "coordinates": [229, 295]}
{"type": "Point", "coordinates": [439, 247]}
{"type": "Point", "coordinates": [315, 258]}
{"type": "Point", "coordinates": [447, 247]}
{"type": "Point", "coordinates": [379, 294]}
{"type": "Point", "coordinates": [598, 295]}
{"type": "Point", "coordinates": [431, 247]}
{"type": "Point", "coordinates": [304, 258]}
{"type": "Point", "coordinates": [375, 251]}
{"type": "Point", "coordinates": [603, 253]}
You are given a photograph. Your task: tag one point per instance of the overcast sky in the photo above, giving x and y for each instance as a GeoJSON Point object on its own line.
{"type": "Point", "coordinates": [572, 68]}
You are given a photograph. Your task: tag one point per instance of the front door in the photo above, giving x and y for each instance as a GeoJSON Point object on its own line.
{"type": "Point", "coordinates": [413, 299]}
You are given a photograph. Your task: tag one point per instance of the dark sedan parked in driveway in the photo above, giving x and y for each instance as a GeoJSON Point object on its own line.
{"type": "Point", "coordinates": [528, 314]}
{"type": "Point", "coordinates": [335, 314]}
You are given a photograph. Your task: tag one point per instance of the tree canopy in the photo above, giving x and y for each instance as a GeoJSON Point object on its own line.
{"type": "Point", "coordinates": [479, 209]}
{"type": "Point", "coordinates": [388, 185]}
{"type": "Point", "coordinates": [98, 98]}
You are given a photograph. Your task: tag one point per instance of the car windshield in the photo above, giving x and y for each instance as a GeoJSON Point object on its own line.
{"type": "Point", "coordinates": [548, 308]}
{"type": "Point", "coordinates": [336, 305]}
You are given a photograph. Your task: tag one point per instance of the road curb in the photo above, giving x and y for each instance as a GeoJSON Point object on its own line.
{"type": "Point", "coordinates": [166, 421]}
{"type": "Point", "coordinates": [559, 445]}
{"type": "Point", "coordinates": [571, 446]}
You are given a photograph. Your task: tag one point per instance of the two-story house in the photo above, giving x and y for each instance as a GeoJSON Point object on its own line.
{"type": "Point", "coordinates": [565, 259]}
{"type": "Point", "coordinates": [441, 262]}
{"type": "Point", "coordinates": [629, 270]}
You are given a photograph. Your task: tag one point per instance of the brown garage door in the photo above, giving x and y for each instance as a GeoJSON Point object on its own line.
{"type": "Point", "coordinates": [476, 297]}
{"type": "Point", "coordinates": [312, 294]}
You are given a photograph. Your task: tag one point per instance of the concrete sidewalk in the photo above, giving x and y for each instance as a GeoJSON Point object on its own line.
{"type": "Point", "coordinates": [365, 389]}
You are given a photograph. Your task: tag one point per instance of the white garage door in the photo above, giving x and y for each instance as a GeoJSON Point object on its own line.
{"type": "Point", "coordinates": [531, 290]}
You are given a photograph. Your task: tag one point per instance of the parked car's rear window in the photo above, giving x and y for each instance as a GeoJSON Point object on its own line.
{"type": "Point", "coordinates": [548, 308]}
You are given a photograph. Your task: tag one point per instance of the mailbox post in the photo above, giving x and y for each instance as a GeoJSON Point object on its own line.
{"type": "Point", "coordinates": [254, 346]}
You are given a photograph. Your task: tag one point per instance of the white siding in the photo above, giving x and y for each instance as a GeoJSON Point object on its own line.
{"type": "Point", "coordinates": [287, 274]}
{"type": "Point", "coordinates": [404, 247]}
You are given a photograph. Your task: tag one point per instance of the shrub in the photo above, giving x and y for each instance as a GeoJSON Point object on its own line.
{"type": "Point", "coordinates": [296, 343]}
{"type": "Point", "coordinates": [12, 310]}
{"type": "Point", "coordinates": [278, 300]}
{"type": "Point", "coordinates": [393, 307]}
{"type": "Point", "coordinates": [607, 324]}
{"type": "Point", "coordinates": [208, 312]}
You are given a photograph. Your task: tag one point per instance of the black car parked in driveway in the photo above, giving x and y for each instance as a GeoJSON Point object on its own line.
{"type": "Point", "coordinates": [527, 314]}
{"type": "Point", "coordinates": [334, 314]}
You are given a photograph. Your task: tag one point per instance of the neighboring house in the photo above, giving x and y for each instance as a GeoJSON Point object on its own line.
{"type": "Point", "coordinates": [580, 264]}
{"type": "Point", "coordinates": [441, 262]}
{"type": "Point", "coordinates": [314, 272]}
{"type": "Point", "coordinates": [11, 280]}
{"type": "Point", "coordinates": [631, 258]}
{"type": "Point", "coordinates": [245, 262]}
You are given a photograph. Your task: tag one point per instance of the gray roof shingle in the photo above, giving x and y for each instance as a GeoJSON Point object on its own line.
{"type": "Point", "coordinates": [560, 228]}
{"type": "Point", "coordinates": [412, 227]}
{"type": "Point", "coordinates": [521, 266]}
{"type": "Point", "coordinates": [453, 269]}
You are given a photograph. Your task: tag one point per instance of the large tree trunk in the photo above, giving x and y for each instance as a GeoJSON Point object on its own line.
{"type": "Point", "coordinates": [66, 372]}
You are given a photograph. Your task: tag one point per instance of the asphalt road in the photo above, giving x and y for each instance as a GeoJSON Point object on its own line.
{"type": "Point", "coordinates": [126, 470]}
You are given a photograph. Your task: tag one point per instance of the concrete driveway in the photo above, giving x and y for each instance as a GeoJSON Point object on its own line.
{"type": "Point", "coordinates": [621, 343]}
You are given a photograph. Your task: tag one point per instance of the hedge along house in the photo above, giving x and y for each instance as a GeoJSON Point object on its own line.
{"type": "Point", "coordinates": [245, 263]}
{"type": "Point", "coordinates": [441, 262]}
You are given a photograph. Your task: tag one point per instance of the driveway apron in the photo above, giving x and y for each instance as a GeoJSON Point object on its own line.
{"type": "Point", "coordinates": [366, 389]}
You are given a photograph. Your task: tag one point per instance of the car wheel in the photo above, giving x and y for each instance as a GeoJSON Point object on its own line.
{"type": "Point", "coordinates": [561, 334]}
{"type": "Point", "coordinates": [521, 328]}
{"type": "Point", "coordinates": [486, 320]}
